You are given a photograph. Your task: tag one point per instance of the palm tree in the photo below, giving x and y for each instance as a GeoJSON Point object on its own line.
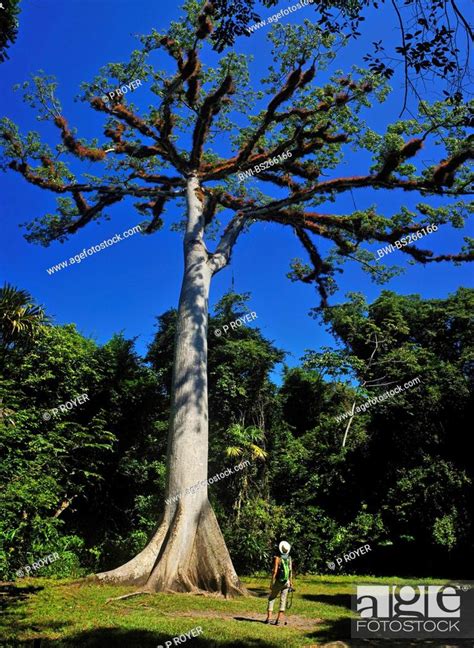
{"type": "Point", "coordinates": [245, 446]}
{"type": "Point", "coordinates": [20, 318]}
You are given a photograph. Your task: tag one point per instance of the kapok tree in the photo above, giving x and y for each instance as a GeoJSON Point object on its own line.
{"type": "Point", "coordinates": [300, 131]}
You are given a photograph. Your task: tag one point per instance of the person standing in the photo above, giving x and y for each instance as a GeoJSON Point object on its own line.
{"type": "Point", "coordinates": [282, 575]}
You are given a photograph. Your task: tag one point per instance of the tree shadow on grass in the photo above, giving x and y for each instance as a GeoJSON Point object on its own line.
{"type": "Point", "coordinates": [344, 581]}
{"type": "Point", "coordinates": [335, 637]}
{"type": "Point", "coordinates": [10, 594]}
{"type": "Point", "coordinates": [11, 597]}
{"type": "Point", "coordinates": [337, 634]}
{"type": "Point", "coordinates": [250, 619]}
{"type": "Point", "coordinates": [339, 600]}
{"type": "Point", "coordinates": [129, 638]}
{"type": "Point", "coordinates": [259, 592]}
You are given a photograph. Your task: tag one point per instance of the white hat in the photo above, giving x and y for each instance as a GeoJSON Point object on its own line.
{"type": "Point", "coordinates": [284, 547]}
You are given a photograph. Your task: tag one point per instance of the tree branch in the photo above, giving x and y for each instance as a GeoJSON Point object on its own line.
{"type": "Point", "coordinates": [344, 184]}
{"type": "Point", "coordinates": [321, 268]}
{"type": "Point", "coordinates": [209, 109]}
{"type": "Point", "coordinates": [221, 257]}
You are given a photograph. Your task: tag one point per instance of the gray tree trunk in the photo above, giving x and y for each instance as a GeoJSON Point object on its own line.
{"type": "Point", "coordinates": [187, 553]}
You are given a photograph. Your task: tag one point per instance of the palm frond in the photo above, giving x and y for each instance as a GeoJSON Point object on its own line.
{"type": "Point", "coordinates": [233, 451]}
{"type": "Point", "coordinates": [257, 452]}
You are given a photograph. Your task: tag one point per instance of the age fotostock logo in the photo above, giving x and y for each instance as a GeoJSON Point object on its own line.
{"type": "Point", "coordinates": [418, 611]}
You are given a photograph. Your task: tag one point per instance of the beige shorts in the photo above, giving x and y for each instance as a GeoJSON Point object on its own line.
{"type": "Point", "coordinates": [278, 588]}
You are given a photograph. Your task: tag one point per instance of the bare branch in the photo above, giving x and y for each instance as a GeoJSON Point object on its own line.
{"type": "Point", "coordinates": [320, 267]}
{"type": "Point", "coordinates": [221, 257]}
{"type": "Point", "coordinates": [210, 107]}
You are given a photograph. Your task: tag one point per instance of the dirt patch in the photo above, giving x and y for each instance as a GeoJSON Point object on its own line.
{"type": "Point", "coordinates": [293, 621]}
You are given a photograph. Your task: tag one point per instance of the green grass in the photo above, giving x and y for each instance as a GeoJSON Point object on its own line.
{"type": "Point", "coordinates": [63, 613]}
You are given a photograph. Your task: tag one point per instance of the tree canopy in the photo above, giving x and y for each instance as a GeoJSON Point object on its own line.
{"type": "Point", "coordinates": [304, 129]}
{"type": "Point", "coordinates": [432, 36]}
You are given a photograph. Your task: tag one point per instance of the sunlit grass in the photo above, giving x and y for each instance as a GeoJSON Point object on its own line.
{"type": "Point", "coordinates": [65, 613]}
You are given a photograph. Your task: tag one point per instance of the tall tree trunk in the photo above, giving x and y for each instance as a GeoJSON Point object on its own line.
{"type": "Point", "coordinates": [187, 552]}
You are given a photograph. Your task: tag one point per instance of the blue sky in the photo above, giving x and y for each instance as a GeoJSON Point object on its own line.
{"type": "Point", "coordinates": [124, 287]}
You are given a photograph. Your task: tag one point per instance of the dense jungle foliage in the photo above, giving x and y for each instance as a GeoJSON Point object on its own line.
{"type": "Point", "coordinates": [88, 483]}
